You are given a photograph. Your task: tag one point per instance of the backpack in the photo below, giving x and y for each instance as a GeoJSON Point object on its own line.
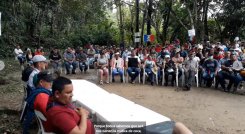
{"type": "Point", "coordinates": [26, 73]}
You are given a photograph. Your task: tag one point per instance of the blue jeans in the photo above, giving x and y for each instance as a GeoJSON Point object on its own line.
{"type": "Point", "coordinates": [222, 75]}
{"type": "Point", "coordinates": [68, 66]}
{"type": "Point", "coordinates": [236, 78]}
{"type": "Point", "coordinates": [135, 74]}
{"type": "Point", "coordinates": [21, 59]}
{"type": "Point", "coordinates": [208, 77]}
{"type": "Point", "coordinates": [83, 66]}
{"type": "Point", "coordinates": [150, 74]}
{"type": "Point", "coordinates": [117, 71]}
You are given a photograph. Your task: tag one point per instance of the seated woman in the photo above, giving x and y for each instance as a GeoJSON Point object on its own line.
{"type": "Point", "coordinates": [149, 67]}
{"type": "Point", "coordinates": [62, 116]}
{"type": "Point", "coordinates": [102, 65]}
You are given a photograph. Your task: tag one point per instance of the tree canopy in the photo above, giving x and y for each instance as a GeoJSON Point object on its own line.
{"type": "Point", "coordinates": [62, 23]}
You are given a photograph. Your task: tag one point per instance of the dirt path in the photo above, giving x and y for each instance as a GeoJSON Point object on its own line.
{"type": "Point", "coordinates": [204, 111]}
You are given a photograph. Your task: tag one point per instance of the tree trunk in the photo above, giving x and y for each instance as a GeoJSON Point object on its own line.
{"type": "Point", "coordinates": [149, 20]}
{"type": "Point", "coordinates": [121, 22]}
{"type": "Point", "coordinates": [143, 23]}
{"type": "Point", "coordinates": [137, 20]}
{"type": "Point", "coordinates": [166, 22]}
{"type": "Point", "coordinates": [206, 20]}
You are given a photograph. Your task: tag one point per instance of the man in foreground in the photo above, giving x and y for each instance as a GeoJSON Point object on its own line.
{"type": "Point", "coordinates": [62, 116]}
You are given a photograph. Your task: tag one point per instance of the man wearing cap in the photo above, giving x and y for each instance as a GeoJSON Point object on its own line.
{"type": "Point", "coordinates": [169, 69]}
{"type": "Point", "coordinates": [117, 64]}
{"type": "Point", "coordinates": [40, 64]}
{"type": "Point", "coordinates": [210, 70]}
{"type": "Point", "coordinates": [38, 99]}
{"type": "Point", "coordinates": [190, 67]}
{"type": "Point", "coordinates": [82, 60]}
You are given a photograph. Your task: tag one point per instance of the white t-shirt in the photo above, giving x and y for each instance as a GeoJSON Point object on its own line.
{"type": "Point", "coordinates": [30, 80]}
{"type": "Point", "coordinates": [18, 52]}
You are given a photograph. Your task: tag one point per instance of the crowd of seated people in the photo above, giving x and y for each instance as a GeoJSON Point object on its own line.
{"type": "Point", "coordinates": [213, 62]}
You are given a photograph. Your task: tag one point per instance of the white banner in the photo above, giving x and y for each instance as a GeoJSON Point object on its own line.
{"type": "Point", "coordinates": [0, 24]}
{"type": "Point", "coordinates": [191, 32]}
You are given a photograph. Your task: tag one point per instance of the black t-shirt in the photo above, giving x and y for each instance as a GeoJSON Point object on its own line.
{"type": "Point", "coordinates": [54, 56]}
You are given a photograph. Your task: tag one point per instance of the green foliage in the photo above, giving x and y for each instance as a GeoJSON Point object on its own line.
{"type": "Point", "coordinates": [54, 23]}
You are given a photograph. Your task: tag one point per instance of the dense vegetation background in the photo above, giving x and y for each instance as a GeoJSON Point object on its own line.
{"type": "Point", "coordinates": [52, 23]}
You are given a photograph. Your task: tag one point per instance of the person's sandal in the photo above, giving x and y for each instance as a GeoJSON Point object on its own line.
{"type": "Point", "coordinates": [107, 82]}
{"type": "Point", "coordinates": [101, 82]}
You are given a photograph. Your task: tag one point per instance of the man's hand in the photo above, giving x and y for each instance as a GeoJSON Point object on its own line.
{"type": "Point", "coordinates": [83, 112]}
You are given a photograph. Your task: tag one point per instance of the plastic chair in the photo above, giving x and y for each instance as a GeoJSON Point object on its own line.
{"type": "Point", "coordinates": [116, 74]}
{"type": "Point", "coordinates": [40, 118]}
{"type": "Point", "coordinates": [145, 74]}
{"type": "Point", "coordinates": [132, 73]}
{"type": "Point", "coordinates": [182, 77]}
{"type": "Point", "coordinates": [23, 104]}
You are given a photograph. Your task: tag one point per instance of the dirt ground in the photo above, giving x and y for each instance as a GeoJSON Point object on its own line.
{"type": "Point", "coordinates": [203, 110]}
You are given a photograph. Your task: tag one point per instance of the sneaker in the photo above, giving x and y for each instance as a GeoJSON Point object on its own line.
{"type": "Point", "coordinates": [113, 80]}
{"type": "Point", "coordinates": [73, 72]}
{"type": "Point", "coordinates": [121, 80]}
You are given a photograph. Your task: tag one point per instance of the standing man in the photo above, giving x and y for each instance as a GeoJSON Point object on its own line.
{"type": "Point", "coordinates": [70, 61]}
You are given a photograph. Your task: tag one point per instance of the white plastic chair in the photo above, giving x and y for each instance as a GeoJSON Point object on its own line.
{"type": "Point", "coordinates": [117, 74]}
{"type": "Point", "coordinates": [132, 73]}
{"type": "Point", "coordinates": [40, 118]}
{"type": "Point", "coordinates": [145, 74]}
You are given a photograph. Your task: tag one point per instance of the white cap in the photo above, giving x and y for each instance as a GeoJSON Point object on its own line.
{"type": "Point", "coordinates": [117, 53]}
{"type": "Point", "coordinates": [167, 56]}
{"type": "Point", "coordinates": [38, 58]}
{"type": "Point", "coordinates": [238, 49]}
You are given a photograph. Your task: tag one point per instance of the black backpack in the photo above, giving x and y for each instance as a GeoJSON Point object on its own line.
{"type": "Point", "coordinates": [26, 73]}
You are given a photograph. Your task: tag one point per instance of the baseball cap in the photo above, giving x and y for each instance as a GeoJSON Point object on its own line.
{"type": "Point", "coordinates": [117, 53]}
{"type": "Point", "coordinates": [167, 56]}
{"type": "Point", "coordinates": [45, 75]}
{"type": "Point", "coordinates": [38, 58]}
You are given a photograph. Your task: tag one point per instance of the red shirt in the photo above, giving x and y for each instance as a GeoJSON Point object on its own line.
{"type": "Point", "coordinates": [38, 53]}
{"type": "Point", "coordinates": [41, 102]}
{"type": "Point", "coordinates": [62, 119]}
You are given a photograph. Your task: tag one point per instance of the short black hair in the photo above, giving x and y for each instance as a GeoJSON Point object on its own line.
{"type": "Point", "coordinates": [59, 84]}
{"type": "Point", "coordinates": [44, 75]}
